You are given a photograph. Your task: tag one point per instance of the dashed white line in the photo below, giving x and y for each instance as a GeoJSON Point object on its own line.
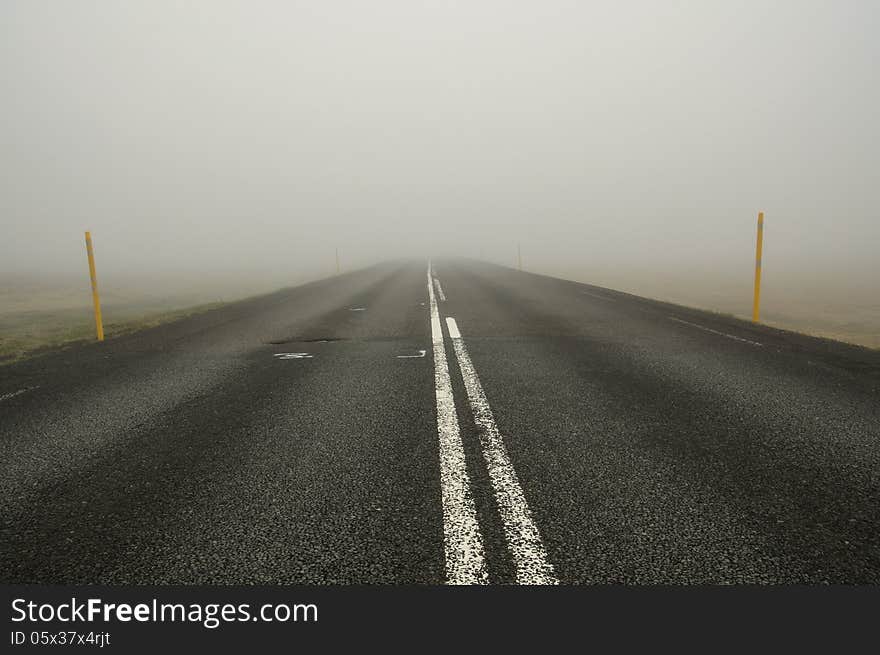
{"type": "Point", "coordinates": [440, 290]}
{"type": "Point", "coordinates": [523, 538]}
{"type": "Point", "coordinates": [13, 394]}
{"type": "Point", "coordinates": [720, 334]}
{"type": "Point", "coordinates": [596, 295]}
{"type": "Point", "coordinates": [463, 544]}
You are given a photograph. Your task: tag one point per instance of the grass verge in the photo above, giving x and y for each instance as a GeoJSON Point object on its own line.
{"type": "Point", "coordinates": [28, 333]}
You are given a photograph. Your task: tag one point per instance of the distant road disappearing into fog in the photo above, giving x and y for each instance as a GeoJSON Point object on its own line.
{"type": "Point", "coordinates": [459, 423]}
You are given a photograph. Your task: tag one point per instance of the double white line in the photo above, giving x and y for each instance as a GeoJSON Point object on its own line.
{"type": "Point", "coordinates": [463, 542]}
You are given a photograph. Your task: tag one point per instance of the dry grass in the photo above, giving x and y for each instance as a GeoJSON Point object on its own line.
{"type": "Point", "coordinates": [29, 332]}
{"type": "Point", "coordinates": [38, 314]}
{"type": "Point", "coordinates": [43, 313]}
{"type": "Point", "coordinates": [848, 310]}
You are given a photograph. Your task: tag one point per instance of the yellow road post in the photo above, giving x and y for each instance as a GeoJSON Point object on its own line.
{"type": "Point", "coordinates": [99, 323]}
{"type": "Point", "coordinates": [756, 306]}
{"type": "Point", "coordinates": [518, 256]}
{"type": "Point", "coordinates": [337, 261]}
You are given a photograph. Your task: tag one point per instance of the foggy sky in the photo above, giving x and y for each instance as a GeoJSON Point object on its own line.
{"type": "Point", "coordinates": [609, 138]}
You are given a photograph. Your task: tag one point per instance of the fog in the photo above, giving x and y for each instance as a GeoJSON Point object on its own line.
{"type": "Point", "coordinates": [627, 143]}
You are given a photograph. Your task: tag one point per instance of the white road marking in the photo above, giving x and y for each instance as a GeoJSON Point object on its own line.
{"type": "Point", "coordinates": [523, 538]}
{"type": "Point", "coordinates": [440, 290]}
{"type": "Point", "coordinates": [293, 355]}
{"type": "Point", "coordinates": [13, 394]}
{"type": "Point", "coordinates": [357, 309]}
{"type": "Point", "coordinates": [462, 541]}
{"type": "Point", "coordinates": [596, 295]}
{"type": "Point", "coordinates": [720, 334]}
{"type": "Point", "coordinates": [421, 354]}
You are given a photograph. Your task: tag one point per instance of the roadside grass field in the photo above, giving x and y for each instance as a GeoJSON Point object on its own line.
{"type": "Point", "coordinates": [45, 312]}
{"type": "Point", "coordinates": [40, 314]}
{"type": "Point", "coordinates": [848, 313]}
{"type": "Point", "coordinates": [29, 332]}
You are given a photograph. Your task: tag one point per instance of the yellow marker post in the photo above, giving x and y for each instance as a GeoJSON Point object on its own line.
{"type": "Point", "coordinates": [99, 323]}
{"type": "Point", "coordinates": [518, 256]}
{"type": "Point", "coordinates": [337, 261]}
{"type": "Point", "coordinates": [756, 307]}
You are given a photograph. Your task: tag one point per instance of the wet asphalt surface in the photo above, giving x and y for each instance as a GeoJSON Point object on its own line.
{"type": "Point", "coordinates": [654, 443]}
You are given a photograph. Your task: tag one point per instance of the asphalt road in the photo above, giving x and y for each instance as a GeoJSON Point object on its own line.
{"type": "Point", "coordinates": [343, 432]}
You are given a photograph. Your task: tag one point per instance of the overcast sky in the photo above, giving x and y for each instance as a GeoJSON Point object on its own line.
{"type": "Point", "coordinates": [606, 136]}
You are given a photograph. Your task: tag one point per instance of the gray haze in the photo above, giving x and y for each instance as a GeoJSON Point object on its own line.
{"type": "Point", "coordinates": [629, 143]}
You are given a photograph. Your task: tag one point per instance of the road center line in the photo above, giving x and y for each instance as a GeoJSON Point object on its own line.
{"type": "Point", "coordinates": [462, 541]}
{"type": "Point", "coordinates": [721, 334]}
{"type": "Point", "coordinates": [523, 538]}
